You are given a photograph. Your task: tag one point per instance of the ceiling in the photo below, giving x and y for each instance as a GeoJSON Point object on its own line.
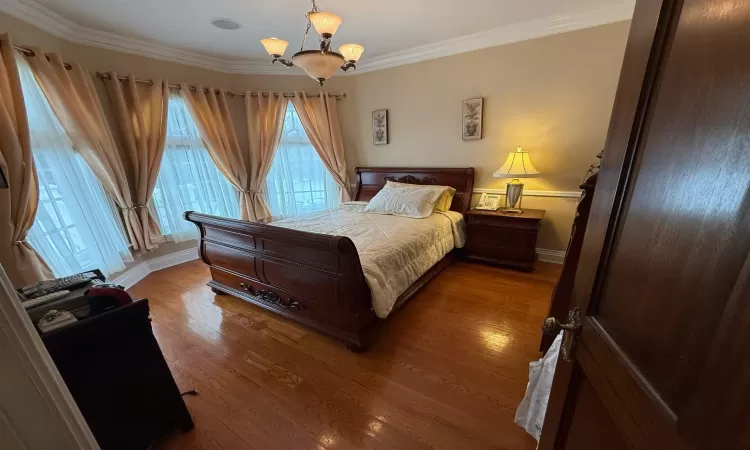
{"type": "Point", "coordinates": [388, 29]}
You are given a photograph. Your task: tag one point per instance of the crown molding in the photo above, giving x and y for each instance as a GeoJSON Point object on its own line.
{"type": "Point", "coordinates": [41, 17]}
{"type": "Point", "coordinates": [508, 34]}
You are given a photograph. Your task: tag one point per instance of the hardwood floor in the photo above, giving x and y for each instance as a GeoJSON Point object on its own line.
{"type": "Point", "coordinates": [446, 372]}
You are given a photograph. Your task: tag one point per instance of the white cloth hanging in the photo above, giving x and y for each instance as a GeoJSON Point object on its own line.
{"type": "Point", "coordinates": [530, 413]}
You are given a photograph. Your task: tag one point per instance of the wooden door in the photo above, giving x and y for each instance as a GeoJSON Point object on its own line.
{"type": "Point", "coordinates": [663, 357]}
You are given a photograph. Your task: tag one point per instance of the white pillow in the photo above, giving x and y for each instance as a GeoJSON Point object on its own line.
{"type": "Point", "coordinates": [406, 200]}
{"type": "Point", "coordinates": [445, 201]}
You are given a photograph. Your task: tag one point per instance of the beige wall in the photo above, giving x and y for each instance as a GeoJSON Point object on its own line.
{"type": "Point", "coordinates": [552, 95]}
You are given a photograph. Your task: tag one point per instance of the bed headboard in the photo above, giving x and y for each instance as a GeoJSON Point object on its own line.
{"type": "Point", "coordinates": [370, 180]}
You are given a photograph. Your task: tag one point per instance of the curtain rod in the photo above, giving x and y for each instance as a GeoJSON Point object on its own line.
{"type": "Point", "coordinates": [230, 93]}
{"type": "Point", "coordinates": [31, 53]}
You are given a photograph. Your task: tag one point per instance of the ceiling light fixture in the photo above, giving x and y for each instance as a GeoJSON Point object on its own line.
{"type": "Point", "coordinates": [318, 64]}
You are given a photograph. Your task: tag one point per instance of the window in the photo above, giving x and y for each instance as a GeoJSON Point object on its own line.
{"type": "Point", "coordinates": [188, 178]}
{"type": "Point", "coordinates": [75, 228]}
{"type": "Point", "coordinates": [298, 182]}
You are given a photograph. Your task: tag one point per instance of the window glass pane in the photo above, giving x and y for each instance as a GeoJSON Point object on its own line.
{"type": "Point", "coordinates": [188, 178]}
{"type": "Point", "coordinates": [298, 182]}
{"type": "Point", "coordinates": [75, 228]}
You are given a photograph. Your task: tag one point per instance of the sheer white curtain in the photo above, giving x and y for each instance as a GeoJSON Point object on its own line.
{"type": "Point", "coordinates": [298, 182]}
{"type": "Point", "coordinates": [188, 178]}
{"type": "Point", "coordinates": [76, 227]}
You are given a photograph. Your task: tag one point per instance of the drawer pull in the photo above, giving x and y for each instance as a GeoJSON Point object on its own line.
{"type": "Point", "coordinates": [273, 298]}
{"type": "Point", "coordinates": [248, 288]}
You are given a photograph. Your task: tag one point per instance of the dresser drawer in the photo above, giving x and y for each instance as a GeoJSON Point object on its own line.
{"type": "Point", "coordinates": [503, 238]}
{"type": "Point", "coordinates": [511, 223]}
{"type": "Point", "coordinates": [494, 238]}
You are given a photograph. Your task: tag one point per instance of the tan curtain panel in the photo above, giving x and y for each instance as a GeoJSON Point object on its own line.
{"type": "Point", "coordinates": [73, 98]}
{"type": "Point", "coordinates": [210, 111]}
{"type": "Point", "coordinates": [18, 203]}
{"type": "Point", "coordinates": [265, 121]}
{"type": "Point", "coordinates": [141, 113]}
{"type": "Point", "coordinates": [320, 118]}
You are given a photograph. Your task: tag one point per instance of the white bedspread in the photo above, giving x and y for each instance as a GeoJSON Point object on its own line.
{"type": "Point", "coordinates": [394, 251]}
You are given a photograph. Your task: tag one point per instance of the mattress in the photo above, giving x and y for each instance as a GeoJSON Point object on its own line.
{"type": "Point", "coordinates": [394, 251]}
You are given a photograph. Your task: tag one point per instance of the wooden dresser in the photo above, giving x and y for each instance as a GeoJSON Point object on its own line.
{"type": "Point", "coordinates": [508, 239]}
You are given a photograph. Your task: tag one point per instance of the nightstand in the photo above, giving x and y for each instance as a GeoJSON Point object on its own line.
{"type": "Point", "coordinates": [507, 239]}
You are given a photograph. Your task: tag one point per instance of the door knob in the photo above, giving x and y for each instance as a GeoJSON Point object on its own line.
{"type": "Point", "coordinates": [552, 326]}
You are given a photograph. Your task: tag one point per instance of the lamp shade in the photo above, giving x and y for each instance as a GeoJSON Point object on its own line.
{"type": "Point", "coordinates": [325, 23]}
{"type": "Point", "coordinates": [318, 65]}
{"type": "Point", "coordinates": [518, 165]}
{"type": "Point", "coordinates": [274, 46]}
{"type": "Point", "coordinates": [351, 52]}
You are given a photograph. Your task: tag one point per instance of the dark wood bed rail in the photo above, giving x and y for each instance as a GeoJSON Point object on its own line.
{"type": "Point", "coordinates": [315, 279]}
{"type": "Point", "coordinates": [370, 180]}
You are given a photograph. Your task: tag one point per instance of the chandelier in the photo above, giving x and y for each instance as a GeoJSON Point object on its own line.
{"type": "Point", "coordinates": [318, 64]}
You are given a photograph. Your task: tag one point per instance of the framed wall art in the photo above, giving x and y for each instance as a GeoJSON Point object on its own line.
{"type": "Point", "coordinates": [380, 127]}
{"type": "Point", "coordinates": [472, 111]}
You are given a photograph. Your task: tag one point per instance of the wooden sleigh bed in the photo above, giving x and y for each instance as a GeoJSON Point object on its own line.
{"type": "Point", "coordinates": [314, 279]}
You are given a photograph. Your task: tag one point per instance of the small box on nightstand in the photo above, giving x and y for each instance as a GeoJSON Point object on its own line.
{"type": "Point", "coordinates": [507, 239]}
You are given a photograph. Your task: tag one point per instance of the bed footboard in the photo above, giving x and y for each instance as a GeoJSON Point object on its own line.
{"type": "Point", "coordinates": [311, 278]}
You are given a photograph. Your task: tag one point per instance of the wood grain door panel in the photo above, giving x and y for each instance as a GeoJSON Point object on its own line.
{"type": "Point", "coordinates": [666, 255]}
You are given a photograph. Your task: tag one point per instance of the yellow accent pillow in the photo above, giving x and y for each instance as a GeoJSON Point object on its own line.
{"type": "Point", "coordinates": [444, 204]}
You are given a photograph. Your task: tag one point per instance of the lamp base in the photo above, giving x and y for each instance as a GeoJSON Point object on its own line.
{"type": "Point", "coordinates": [513, 196]}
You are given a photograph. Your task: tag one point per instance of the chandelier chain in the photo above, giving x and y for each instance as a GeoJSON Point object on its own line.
{"type": "Point", "coordinates": [309, 23]}
{"type": "Point", "coordinates": [304, 39]}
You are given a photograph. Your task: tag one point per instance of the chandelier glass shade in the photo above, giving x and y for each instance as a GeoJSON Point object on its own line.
{"type": "Point", "coordinates": [319, 64]}
{"type": "Point", "coordinates": [325, 23]}
{"type": "Point", "coordinates": [351, 52]}
{"type": "Point", "coordinates": [274, 46]}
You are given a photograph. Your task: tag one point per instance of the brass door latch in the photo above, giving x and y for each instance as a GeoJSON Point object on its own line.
{"type": "Point", "coordinates": [552, 326]}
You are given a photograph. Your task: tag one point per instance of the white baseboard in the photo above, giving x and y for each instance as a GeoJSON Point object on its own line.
{"type": "Point", "coordinates": [140, 271]}
{"type": "Point", "coordinates": [551, 256]}
{"type": "Point", "coordinates": [133, 275]}
{"type": "Point", "coordinates": [172, 259]}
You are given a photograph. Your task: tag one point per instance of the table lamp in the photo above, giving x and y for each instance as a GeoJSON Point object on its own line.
{"type": "Point", "coordinates": [518, 165]}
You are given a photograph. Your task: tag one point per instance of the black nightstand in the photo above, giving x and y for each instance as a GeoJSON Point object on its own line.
{"type": "Point", "coordinates": [507, 239]}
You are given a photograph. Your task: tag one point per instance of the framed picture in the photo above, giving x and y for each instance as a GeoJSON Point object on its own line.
{"type": "Point", "coordinates": [472, 111]}
{"type": "Point", "coordinates": [380, 127]}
